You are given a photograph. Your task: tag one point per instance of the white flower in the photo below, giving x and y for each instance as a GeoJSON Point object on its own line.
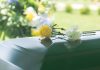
{"type": "Point", "coordinates": [2, 5]}
{"type": "Point", "coordinates": [30, 9]}
{"type": "Point", "coordinates": [4, 11]}
{"type": "Point", "coordinates": [30, 12]}
{"type": "Point", "coordinates": [40, 20]}
{"type": "Point", "coordinates": [73, 34]}
{"type": "Point", "coordinates": [44, 20]}
{"type": "Point", "coordinates": [35, 22]}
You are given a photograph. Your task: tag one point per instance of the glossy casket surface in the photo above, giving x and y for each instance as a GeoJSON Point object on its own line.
{"type": "Point", "coordinates": [32, 54]}
{"type": "Point", "coordinates": [26, 53]}
{"type": "Point", "coordinates": [84, 56]}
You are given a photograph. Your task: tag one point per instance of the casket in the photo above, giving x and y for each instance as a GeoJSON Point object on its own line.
{"type": "Point", "coordinates": [32, 54]}
{"type": "Point", "coordinates": [25, 53]}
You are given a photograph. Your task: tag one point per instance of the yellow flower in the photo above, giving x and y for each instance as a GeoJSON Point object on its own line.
{"type": "Point", "coordinates": [35, 32]}
{"type": "Point", "coordinates": [30, 16]}
{"type": "Point", "coordinates": [45, 31]}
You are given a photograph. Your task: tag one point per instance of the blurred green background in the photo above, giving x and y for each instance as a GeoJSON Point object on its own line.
{"type": "Point", "coordinates": [86, 22]}
{"type": "Point", "coordinates": [82, 13]}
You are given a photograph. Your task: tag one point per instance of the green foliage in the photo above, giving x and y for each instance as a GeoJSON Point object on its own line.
{"type": "Point", "coordinates": [26, 3]}
{"type": "Point", "coordinates": [56, 30]}
{"type": "Point", "coordinates": [98, 11]}
{"type": "Point", "coordinates": [85, 11]}
{"type": "Point", "coordinates": [12, 22]}
{"type": "Point", "coordinates": [53, 8]}
{"type": "Point", "coordinates": [69, 9]}
{"type": "Point", "coordinates": [18, 27]}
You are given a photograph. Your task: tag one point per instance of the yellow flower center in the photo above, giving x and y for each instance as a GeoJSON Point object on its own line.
{"type": "Point", "coordinates": [29, 16]}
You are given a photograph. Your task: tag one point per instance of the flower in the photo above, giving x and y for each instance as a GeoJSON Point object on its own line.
{"type": "Point", "coordinates": [41, 8]}
{"type": "Point", "coordinates": [35, 32]}
{"type": "Point", "coordinates": [29, 16]}
{"type": "Point", "coordinates": [43, 31]}
{"type": "Point", "coordinates": [41, 20]}
{"type": "Point", "coordinates": [4, 11]}
{"type": "Point", "coordinates": [45, 20]}
{"type": "Point", "coordinates": [73, 34]}
{"type": "Point", "coordinates": [30, 13]}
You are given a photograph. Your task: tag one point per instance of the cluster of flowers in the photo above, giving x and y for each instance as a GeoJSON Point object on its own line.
{"type": "Point", "coordinates": [23, 18]}
{"type": "Point", "coordinates": [41, 22]}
